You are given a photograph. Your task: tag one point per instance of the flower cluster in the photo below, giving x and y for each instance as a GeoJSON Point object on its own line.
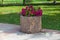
{"type": "Point", "coordinates": [31, 11]}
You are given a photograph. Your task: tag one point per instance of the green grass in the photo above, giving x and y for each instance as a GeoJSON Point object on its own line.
{"type": "Point", "coordinates": [10, 14]}
{"type": "Point", "coordinates": [12, 18]}
{"type": "Point", "coordinates": [11, 9]}
{"type": "Point", "coordinates": [43, 1]}
{"type": "Point", "coordinates": [11, 1]}
{"type": "Point", "coordinates": [50, 18]}
{"type": "Point", "coordinates": [21, 1]}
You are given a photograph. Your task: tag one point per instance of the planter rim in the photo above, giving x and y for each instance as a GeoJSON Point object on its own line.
{"type": "Point", "coordinates": [30, 16]}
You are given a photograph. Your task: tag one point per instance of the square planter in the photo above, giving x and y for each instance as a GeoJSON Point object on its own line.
{"type": "Point", "coordinates": [30, 24]}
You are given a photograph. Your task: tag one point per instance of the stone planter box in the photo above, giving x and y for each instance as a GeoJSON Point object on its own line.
{"type": "Point", "coordinates": [30, 24]}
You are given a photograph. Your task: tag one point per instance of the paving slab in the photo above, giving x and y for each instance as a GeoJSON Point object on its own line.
{"type": "Point", "coordinates": [12, 32]}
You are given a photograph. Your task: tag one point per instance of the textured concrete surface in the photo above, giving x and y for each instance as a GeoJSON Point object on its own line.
{"type": "Point", "coordinates": [30, 24]}
{"type": "Point", "coordinates": [11, 32]}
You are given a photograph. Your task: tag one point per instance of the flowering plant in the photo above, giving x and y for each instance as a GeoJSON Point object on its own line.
{"type": "Point", "coordinates": [31, 11]}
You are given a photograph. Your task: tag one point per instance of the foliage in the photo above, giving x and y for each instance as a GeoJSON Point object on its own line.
{"type": "Point", "coordinates": [31, 11]}
{"type": "Point", "coordinates": [28, 1]}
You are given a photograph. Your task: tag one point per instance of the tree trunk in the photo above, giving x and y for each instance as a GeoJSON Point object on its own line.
{"type": "Point", "coordinates": [23, 2]}
{"type": "Point", "coordinates": [54, 2]}
{"type": "Point", "coordinates": [2, 3]}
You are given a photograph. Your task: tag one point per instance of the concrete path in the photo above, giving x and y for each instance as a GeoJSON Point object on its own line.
{"type": "Point", "coordinates": [11, 32]}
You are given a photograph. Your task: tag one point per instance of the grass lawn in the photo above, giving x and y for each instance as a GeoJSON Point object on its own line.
{"type": "Point", "coordinates": [11, 1]}
{"type": "Point", "coordinates": [50, 18]}
{"type": "Point", "coordinates": [10, 14]}
{"type": "Point", "coordinates": [43, 1]}
{"type": "Point", "coordinates": [21, 1]}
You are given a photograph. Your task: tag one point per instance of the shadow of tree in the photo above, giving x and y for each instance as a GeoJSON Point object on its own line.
{"type": "Point", "coordinates": [51, 21]}
{"type": "Point", "coordinates": [12, 18]}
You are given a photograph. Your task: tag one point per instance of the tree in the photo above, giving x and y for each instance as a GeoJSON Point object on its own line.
{"type": "Point", "coordinates": [2, 1]}
{"type": "Point", "coordinates": [28, 1]}
{"type": "Point", "coordinates": [54, 2]}
{"type": "Point", "coordinates": [23, 2]}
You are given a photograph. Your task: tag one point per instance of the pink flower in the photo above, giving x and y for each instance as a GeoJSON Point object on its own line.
{"type": "Point", "coordinates": [30, 6]}
{"type": "Point", "coordinates": [38, 13]}
{"type": "Point", "coordinates": [23, 11]}
{"type": "Point", "coordinates": [29, 10]}
{"type": "Point", "coordinates": [27, 7]}
{"type": "Point", "coordinates": [33, 12]}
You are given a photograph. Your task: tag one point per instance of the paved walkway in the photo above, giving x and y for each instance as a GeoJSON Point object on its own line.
{"type": "Point", "coordinates": [11, 32]}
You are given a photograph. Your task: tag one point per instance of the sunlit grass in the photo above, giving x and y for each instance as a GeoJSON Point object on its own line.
{"type": "Point", "coordinates": [11, 9]}
{"type": "Point", "coordinates": [11, 1]}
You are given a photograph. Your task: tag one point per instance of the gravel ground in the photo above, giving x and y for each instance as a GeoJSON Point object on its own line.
{"type": "Point", "coordinates": [11, 32]}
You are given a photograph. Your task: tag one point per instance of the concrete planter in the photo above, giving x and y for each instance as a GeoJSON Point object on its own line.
{"type": "Point", "coordinates": [30, 24]}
